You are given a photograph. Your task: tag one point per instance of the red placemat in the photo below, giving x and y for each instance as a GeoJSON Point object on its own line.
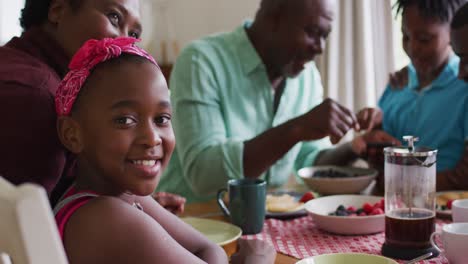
{"type": "Point", "coordinates": [300, 238]}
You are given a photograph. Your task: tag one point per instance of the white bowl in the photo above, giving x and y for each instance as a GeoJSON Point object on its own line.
{"type": "Point", "coordinates": [347, 258]}
{"type": "Point", "coordinates": [356, 181]}
{"type": "Point", "coordinates": [319, 209]}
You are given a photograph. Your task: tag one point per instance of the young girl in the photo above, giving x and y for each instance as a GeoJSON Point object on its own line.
{"type": "Point", "coordinates": [115, 115]}
{"type": "Point", "coordinates": [433, 104]}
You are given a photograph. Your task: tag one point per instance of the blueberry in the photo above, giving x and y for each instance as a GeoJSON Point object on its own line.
{"type": "Point", "coordinates": [341, 213]}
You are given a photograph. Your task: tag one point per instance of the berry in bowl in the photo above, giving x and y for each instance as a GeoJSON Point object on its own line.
{"type": "Point", "coordinates": [348, 214]}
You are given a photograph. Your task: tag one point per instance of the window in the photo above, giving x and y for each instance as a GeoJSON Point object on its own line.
{"type": "Point", "coordinates": [401, 60]}
{"type": "Point", "coordinates": [10, 11]}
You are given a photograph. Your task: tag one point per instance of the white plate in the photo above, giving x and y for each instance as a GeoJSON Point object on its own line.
{"type": "Point", "coordinates": [219, 232]}
{"type": "Point", "coordinates": [347, 258]}
{"type": "Point", "coordinates": [319, 209]}
{"type": "Point", "coordinates": [290, 214]}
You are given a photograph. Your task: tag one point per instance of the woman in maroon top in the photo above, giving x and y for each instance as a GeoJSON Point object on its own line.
{"type": "Point", "coordinates": [31, 68]}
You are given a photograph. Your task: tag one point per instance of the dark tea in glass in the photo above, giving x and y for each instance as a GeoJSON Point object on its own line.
{"type": "Point", "coordinates": [409, 229]}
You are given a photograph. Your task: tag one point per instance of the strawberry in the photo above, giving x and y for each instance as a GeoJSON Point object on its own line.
{"type": "Point", "coordinates": [307, 197]}
{"type": "Point", "coordinates": [377, 211]}
{"type": "Point", "coordinates": [382, 204]}
{"type": "Point", "coordinates": [367, 207]}
{"type": "Point", "coordinates": [449, 204]}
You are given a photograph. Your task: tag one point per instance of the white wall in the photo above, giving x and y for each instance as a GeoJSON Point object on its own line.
{"type": "Point", "coordinates": [185, 20]}
{"type": "Point", "coordinates": [9, 19]}
{"type": "Point", "coordinates": [169, 21]}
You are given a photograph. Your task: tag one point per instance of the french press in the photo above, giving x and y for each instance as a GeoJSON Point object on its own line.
{"type": "Point", "coordinates": [410, 186]}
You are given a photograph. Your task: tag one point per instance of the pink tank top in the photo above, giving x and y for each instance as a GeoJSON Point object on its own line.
{"type": "Point", "coordinates": [68, 204]}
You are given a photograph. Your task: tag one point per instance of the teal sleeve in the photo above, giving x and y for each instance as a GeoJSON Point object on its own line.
{"type": "Point", "coordinates": [384, 106]}
{"type": "Point", "coordinates": [208, 158]}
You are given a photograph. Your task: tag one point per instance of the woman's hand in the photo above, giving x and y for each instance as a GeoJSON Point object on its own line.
{"type": "Point", "coordinates": [171, 202]}
{"type": "Point", "coordinates": [399, 79]}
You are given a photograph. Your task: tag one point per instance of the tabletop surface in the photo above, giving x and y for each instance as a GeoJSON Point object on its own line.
{"type": "Point", "coordinates": [211, 210]}
{"type": "Point", "coordinates": [370, 244]}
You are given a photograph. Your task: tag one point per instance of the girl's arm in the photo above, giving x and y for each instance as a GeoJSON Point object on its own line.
{"type": "Point", "coordinates": [109, 230]}
{"type": "Point", "coordinates": [184, 234]}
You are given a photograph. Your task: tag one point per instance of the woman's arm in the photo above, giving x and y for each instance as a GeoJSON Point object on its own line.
{"type": "Point", "coordinates": [456, 178]}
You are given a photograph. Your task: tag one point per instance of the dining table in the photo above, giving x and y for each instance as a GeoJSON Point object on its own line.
{"type": "Point", "coordinates": [299, 238]}
{"type": "Point", "coordinates": [210, 210]}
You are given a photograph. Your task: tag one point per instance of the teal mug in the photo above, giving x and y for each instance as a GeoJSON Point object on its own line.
{"type": "Point", "coordinates": [247, 199]}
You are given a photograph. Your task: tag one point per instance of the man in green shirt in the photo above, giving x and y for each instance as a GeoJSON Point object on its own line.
{"type": "Point", "coordinates": [249, 103]}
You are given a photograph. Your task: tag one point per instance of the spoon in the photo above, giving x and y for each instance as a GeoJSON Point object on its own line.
{"type": "Point", "coordinates": [422, 257]}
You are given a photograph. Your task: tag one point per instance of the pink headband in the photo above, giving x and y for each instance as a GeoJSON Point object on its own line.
{"type": "Point", "coordinates": [86, 58]}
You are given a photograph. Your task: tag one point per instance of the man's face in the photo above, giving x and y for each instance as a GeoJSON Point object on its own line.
{"type": "Point", "coordinates": [300, 35]}
{"type": "Point", "coordinates": [459, 38]}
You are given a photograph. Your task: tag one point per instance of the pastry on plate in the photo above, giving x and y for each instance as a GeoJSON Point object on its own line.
{"type": "Point", "coordinates": [281, 203]}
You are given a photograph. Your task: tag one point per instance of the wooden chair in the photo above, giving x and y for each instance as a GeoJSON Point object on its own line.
{"type": "Point", "coordinates": [28, 232]}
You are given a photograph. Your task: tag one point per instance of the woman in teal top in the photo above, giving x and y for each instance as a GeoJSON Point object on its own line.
{"type": "Point", "coordinates": [434, 103]}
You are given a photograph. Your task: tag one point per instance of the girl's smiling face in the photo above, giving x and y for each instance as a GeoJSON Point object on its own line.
{"type": "Point", "coordinates": [125, 137]}
{"type": "Point", "coordinates": [426, 41]}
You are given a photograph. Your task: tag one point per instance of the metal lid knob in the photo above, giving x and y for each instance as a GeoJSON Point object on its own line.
{"type": "Point", "coordinates": [410, 140]}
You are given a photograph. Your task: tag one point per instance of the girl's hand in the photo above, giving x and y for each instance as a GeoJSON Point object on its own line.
{"type": "Point", "coordinates": [369, 118]}
{"type": "Point", "coordinates": [171, 202]}
{"type": "Point", "coordinates": [254, 252]}
{"type": "Point", "coordinates": [359, 143]}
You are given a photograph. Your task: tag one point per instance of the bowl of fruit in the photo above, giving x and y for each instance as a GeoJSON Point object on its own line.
{"type": "Point", "coordinates": [337, 180]}
{"type": "Point", "coordinates": [348, 214]}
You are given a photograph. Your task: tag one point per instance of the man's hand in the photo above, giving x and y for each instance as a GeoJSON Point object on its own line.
{"type": "Point", "coordinates": [172, 202]}
{"type": "Point", "coordinates": [399, 79]}
{"type": "Point", "coordinates": [254, 252]}
{"type": "Point", "coordinates": [327, 119]}
{"type": "Point", "coordinates": [369, 118]}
